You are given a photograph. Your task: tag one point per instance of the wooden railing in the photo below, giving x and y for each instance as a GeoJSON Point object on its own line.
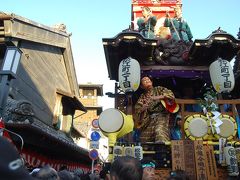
{"type": "Point", "coordinates": [234, 103]}
{"type": "Point", "coordinates": [183, 102]}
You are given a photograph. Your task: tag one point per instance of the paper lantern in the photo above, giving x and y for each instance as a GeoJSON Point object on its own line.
{"type": "Point", "coordinates": [129, 74]}
{"type": "Point", "coordinates": [138, 152]}
{"type": "Point", "coordinates": [128, 151]}
{"type": "Point", "coordinates": [231, 161]}
{"type": "Point", "coordinates": [114, 124]}
{"type": "Point", "coordinates": [222, 77]}
{"type": "Point", "coordinates": [117, 151]}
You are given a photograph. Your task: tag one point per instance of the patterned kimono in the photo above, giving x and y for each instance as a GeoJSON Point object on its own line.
{"type": "Point", "coordinates": [155, 119]}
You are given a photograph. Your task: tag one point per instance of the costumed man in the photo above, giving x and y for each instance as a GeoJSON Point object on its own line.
{"type": "Point", "coordinates": [179, 28]}
{"type": "Point", "coordinates": [147, 23]}
{"type": "Point", "coordinates": [152, 111]}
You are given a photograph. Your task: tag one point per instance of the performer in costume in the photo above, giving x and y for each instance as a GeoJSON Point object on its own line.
{"type": "Point", "coordinates": [152, 111]}
{"type": "Point", "coordinates": [147, 23]}
{"type": "Point", "coordinates": [175, 131]}
{"type": "Point", "coordinates": [179, 28]}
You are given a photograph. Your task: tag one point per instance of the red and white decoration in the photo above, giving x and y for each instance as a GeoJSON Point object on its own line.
{"type": "Point", "coordinates": [34, 159]}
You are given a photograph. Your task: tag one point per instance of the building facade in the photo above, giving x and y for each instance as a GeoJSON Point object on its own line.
{"type": "Point", "coordinates": [89, 94]}
{"type": "Point", "coordinates": [44, 95]}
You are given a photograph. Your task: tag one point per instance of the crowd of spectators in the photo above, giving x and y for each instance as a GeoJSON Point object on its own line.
{"type": "Point", "coordinates": [12, 167]}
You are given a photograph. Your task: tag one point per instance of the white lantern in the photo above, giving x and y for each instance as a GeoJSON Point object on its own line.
{"type": "Point", "coordinates": [231, 161]}
{"type": "Point", "coordinates": [221, 74]}
{"type": "Point", "coordinates": [129, 74]}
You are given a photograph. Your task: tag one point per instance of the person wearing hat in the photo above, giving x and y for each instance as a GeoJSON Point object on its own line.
{"type": "Point", "coordinates": [11, 163]}
{"type": "Point", "coordinates": [152, 111]}
{"type": "Point", "coordinates": [147, 23]}
{"type": "Point", "coordinates": [148, 169]}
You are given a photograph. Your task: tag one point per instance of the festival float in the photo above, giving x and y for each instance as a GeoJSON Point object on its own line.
{"type": "Point", "coordinates": [204, 123]}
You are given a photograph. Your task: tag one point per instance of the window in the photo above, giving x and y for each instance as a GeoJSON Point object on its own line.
{"type": "Point", "coordinates": [88, 93]}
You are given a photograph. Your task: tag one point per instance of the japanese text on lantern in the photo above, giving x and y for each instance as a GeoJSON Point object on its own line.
{"type": "Point", "coordinates": [225, 73]}
{"type": "Point", "coordinates": [126, 73]}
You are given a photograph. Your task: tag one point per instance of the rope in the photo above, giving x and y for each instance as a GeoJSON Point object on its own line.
{"type": "Point", "coordinates": [175, 29]}
{"type": "Point", "coordinates": [16, 135]}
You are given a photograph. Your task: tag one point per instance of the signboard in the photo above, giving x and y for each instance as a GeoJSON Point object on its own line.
{"type": "Point", "coordinates": [93, 154]}
{"type": "Point", "coordinates": [188, 146]}
{"type": "Point", "coordinates": [94, 145]}
{"type": "Point", "coordinates": [95, 123]}
{"type": "Point", "coordinates": [178, 161]}
{"type": "Point", "coordinates": [200, 160]}
{"type": "Point", "coordinates": [95, 136]}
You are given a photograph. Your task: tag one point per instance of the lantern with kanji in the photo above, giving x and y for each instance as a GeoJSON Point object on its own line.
{"type": "Point", "coordinates": [222, 77]}
{"type": "Point", "coordinates": [129, 75]}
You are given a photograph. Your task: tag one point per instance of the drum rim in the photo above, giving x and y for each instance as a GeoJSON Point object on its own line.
{"type": "Point", "coordinates": [218, 136]}
{"type": "Point", "coordinates": [118, 128]}
{"type": "Point", "coordinates": [186, 127]}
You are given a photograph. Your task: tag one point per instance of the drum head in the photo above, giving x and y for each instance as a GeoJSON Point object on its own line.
{"type": "Point", "coordinates": [196, 127]}
{"type": "Point", "coordinates": [110, 120]}
{"type": "Point", "coordinates": [228, 128]}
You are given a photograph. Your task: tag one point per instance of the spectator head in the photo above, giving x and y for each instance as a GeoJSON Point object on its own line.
{"type": "Point", "coordinates": [126, 167]}
{"type": "Point", "coordinates": [47, 173]}
{"type": "Point", "coordinates": [63, 167]}
{"type": "Point", "coordinates": [11, 163]}
{"type": "Point", "coordinates": [148, 169]}
{"type": "Point", "coordinates": [105, 170]}
{"type": "Point", "coordinates": [65, 175]}
{"type": "Point", "coordinates": [78, 172]}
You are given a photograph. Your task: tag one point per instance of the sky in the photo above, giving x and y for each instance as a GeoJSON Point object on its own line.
{"type": "Point", "coordinates": [90, 21]}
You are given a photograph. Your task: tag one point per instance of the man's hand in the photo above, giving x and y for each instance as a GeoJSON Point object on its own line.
{"type": "Point", "coordinates": [147, 18]}
{"type": "Point", "coordinates": [157, 97]}
{"type": "Point", "coordinates": [144, 107]}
